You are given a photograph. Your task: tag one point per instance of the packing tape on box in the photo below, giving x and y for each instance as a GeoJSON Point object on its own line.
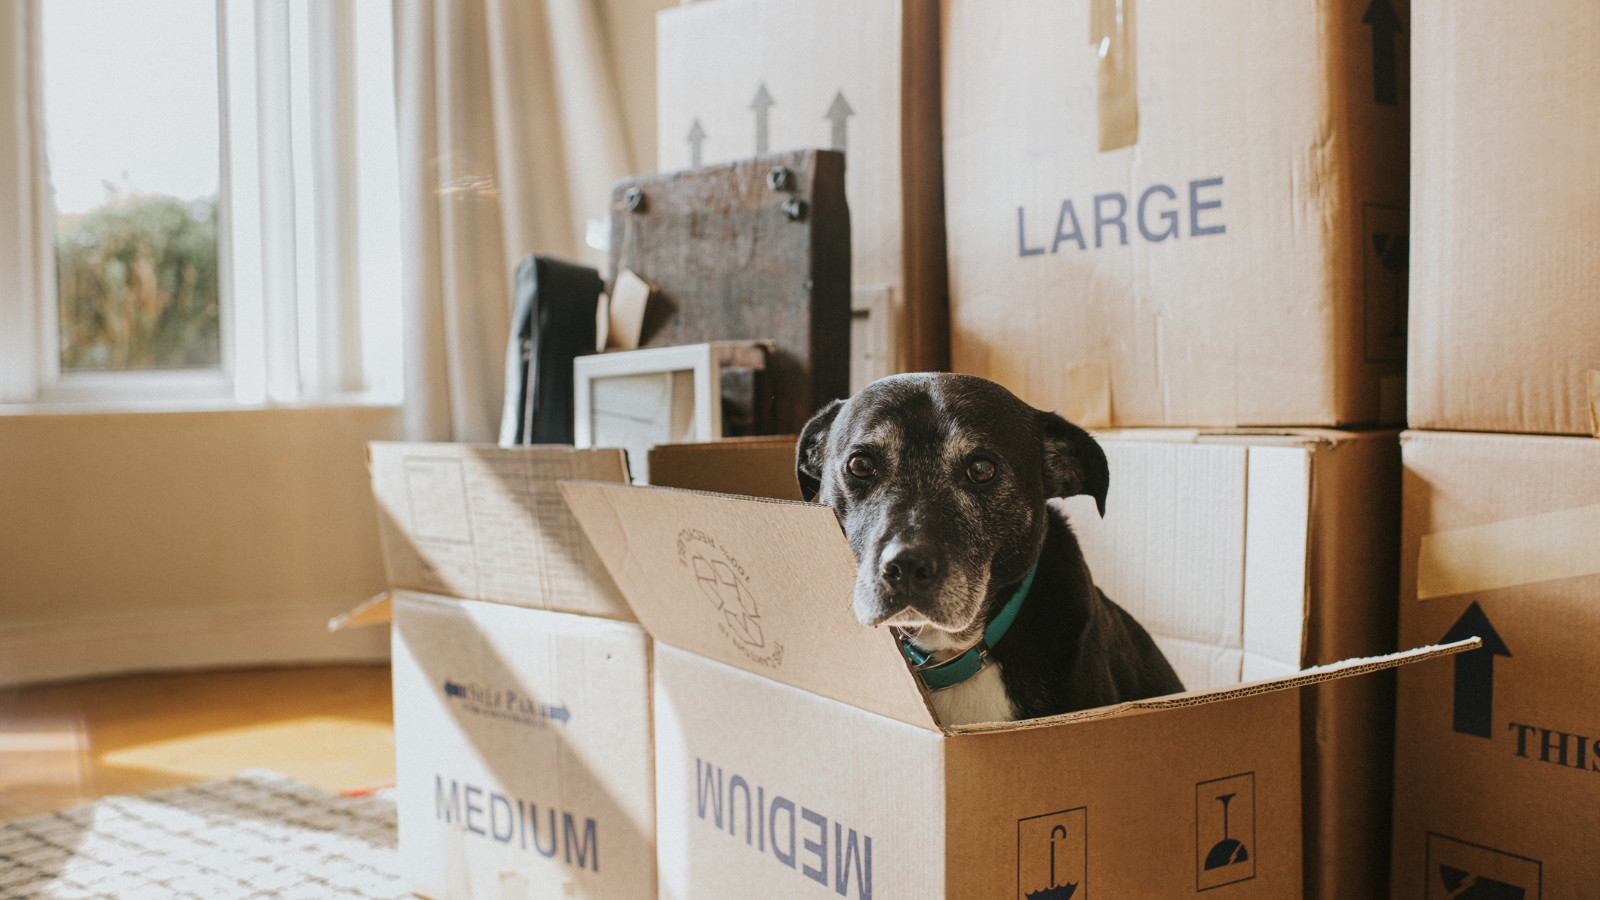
{"type": "Point", "coordinates": [1594, 402]}
{"type": "Point", "coordinates": [1111, 33]}
{"type": "Point", "coordinates": [1509, 553]}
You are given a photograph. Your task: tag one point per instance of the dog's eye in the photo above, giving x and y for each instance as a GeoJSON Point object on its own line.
{"type": "Point", "coordinates": [861, 466]}
{"type": "Point", "coordinates": [980, 470]}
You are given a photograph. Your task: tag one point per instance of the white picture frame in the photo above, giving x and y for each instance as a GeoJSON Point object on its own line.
{"type": "Point", "coordinates": [636, 399]}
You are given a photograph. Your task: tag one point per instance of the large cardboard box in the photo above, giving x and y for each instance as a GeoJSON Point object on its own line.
{"type": "Point", "coordinates": [738, 78]}
{"type": "Point", "coordinates": [1505, 320]}
{"type": "Point", "coordinates": [1180, 213]}
{"type": "Point", "coordinates": [1497, 757]}
{"type": "Point", "coordinates": [523, 746]}
{"type": "Point", "coordinates": [522, 752]}
{"type": "Point", "coordinates": [796, 748]}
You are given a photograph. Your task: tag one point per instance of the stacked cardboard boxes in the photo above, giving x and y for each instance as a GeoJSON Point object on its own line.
{"type": "Point", "coordinates": [1167, 214]}
{"type": "Point", "coordinates": [740, 78]}
{"type": "Point", "coordinates": [796, 752]}
{"type": "Point", "coordinates": [523, 743]}
{"type": "Point", "coordinates": [1497, 777]}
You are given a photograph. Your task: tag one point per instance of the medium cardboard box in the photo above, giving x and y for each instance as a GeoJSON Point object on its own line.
{"type": "Point", "coordinates": [739, 78]}
{"type": "Point", "coordinates": [1247, 555]}
{"type": "Point", "coordinates": [522, 726]}
{"type": "Point", "coordinates": [1177, 213]}
{"type": "Point", "coordinates": [795, 748]}
{"type": "Point", "coordinates": [1497, 757]}
{"type": "Point", "coordinates": [1505, 326]}
{"type": "Point", "coordinates": [522, 752]}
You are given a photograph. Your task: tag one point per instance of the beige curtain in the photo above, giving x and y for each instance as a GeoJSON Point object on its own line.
{"type": "Point", "coordinates": [511, 134]}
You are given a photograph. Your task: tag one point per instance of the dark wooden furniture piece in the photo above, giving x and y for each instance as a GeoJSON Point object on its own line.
{"type": "Point", "coordinates": [752, 250]}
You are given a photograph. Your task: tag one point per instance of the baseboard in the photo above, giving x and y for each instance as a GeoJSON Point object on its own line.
{"type": "Point", "coordinates": [179, 639]}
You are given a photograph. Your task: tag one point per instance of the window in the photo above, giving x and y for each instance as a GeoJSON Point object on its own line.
{"type": "Point", "coordinates": [214, 209]}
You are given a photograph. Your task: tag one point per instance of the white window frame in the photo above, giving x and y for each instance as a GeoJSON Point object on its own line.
{"type": "Point", "coordinates": [308, 221]}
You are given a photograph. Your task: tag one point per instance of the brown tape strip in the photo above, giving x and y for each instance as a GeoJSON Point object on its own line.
{"type": "Point", "coordinates": [1509, 553]}
{"type": "Point", "coordinates": [1111, 34]}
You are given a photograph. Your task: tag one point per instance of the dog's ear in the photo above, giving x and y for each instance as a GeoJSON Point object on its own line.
{"type": "Point", "coordinates": [1073, 462]}
{"type": "Point", "coordinates": [811, 454]}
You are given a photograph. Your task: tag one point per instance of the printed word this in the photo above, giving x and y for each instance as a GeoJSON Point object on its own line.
{"type": "Point", "coordinates": [780, 823]}
{"type": "Point", "coordinates": [1155, 216]}
{"type": "Point", "coordinates": [493, 816]}
{"type": "Point", "coordinates": [1574, 751]}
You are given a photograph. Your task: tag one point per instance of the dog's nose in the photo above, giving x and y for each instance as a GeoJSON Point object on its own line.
{"type": "Point", "coordinates": [910, 566]}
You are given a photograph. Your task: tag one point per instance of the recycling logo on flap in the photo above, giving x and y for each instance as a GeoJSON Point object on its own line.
{"type": "Point", "coordinates": [726, 586]}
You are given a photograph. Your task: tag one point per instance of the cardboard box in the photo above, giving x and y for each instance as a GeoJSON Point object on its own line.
{"type": "Point", "coordinates": [1171, 213]}
{"type": "Point", "coordinates": [1247, 555]}
{"type": "Point", "coordinates": [796, 746]}
{"type": "Point", "coordinates": [523, 752]}
{"type": "Point", "coordinates": [485, 523]}
{"type": "Point", "coordinates": [1253, 555]}
{"type": "Point", "coordinates": [1505, 330]}
{"type": "Point", "coordinates": [522, 726]}
{"type": "Point", "coordinates": [1497, 766]}
{"type": "Point", "coordinates": [862, 78]}
{"type": "Point", "coordinates": [754, 467]}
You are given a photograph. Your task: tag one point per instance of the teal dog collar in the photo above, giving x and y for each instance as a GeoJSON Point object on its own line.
{"type": "Point", "coordinates": [951, 672]}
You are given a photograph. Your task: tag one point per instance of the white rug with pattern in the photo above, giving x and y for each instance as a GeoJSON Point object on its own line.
{"type": "Point", "coordinates": [256, 835]}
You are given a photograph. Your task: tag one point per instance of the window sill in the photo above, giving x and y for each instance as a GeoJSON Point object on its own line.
{"type": "Point", "coordinates": [192, 405]}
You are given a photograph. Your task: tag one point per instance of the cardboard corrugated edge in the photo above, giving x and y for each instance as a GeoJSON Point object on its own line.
{"type": "Point", "coordinates": [1316, 675]}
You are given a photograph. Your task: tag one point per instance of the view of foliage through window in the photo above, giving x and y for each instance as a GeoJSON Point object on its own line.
{"type": "Point", "coordinates": [133, 130]}
{"type": "Point", "coordinates": [137, 281]}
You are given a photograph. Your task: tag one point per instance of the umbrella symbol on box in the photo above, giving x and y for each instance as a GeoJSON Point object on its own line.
{"type": "Point", "coordinates": [726, 593]}
{"type": "Point", "coordinates": [1229, 850]}
{"type": "Point", "coordinates": [1052, 856]}
{"type": "Point", "coordinates": [1055, 891]}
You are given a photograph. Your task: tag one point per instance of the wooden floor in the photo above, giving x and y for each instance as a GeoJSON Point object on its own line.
{"type": "Point", "coordinates": [64, 744]}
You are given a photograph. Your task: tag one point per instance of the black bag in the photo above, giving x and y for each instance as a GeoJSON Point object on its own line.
{"type": "Point", "coordinates": [553, 324]}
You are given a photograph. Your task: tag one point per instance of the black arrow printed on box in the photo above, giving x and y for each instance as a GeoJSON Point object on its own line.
{"type": "Point", "coordinates": [1385, 23]}
{"type": "Point", "coordinates": [1474, 686]}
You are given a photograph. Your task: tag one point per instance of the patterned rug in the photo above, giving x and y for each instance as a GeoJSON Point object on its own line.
{"type": "Point", "coordinates": [256, 835]}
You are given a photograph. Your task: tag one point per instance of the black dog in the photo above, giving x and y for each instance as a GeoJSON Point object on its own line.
{"type": "Point", "coordinates": [940, 483]}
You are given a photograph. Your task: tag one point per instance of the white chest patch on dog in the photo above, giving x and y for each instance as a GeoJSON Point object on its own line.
{"type": "Point", "coordinates": [981, 698]}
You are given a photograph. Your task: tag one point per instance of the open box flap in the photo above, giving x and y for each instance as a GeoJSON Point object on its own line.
{"type": "Point", "coordinates": [1342, 669]}
{"type": "Point", "coordinates": [758, 584]}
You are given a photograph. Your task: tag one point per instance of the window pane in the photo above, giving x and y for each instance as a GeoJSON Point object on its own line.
{"type": "Point", "coordinates": [132, 124]}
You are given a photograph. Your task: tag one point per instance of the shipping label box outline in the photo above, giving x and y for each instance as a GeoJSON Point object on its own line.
{"type": "Point", "coordinates": [775, 708]}
{"type": "Point", "coordinates": [524, 752]}
{"type": "Point", "coordinates": [1497, 758]}
{"type": "Point", "coordinates": [1166, 213]}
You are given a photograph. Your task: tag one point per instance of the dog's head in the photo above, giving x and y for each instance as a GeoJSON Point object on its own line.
{"type": "Point", "coordinates": [940, 483]}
